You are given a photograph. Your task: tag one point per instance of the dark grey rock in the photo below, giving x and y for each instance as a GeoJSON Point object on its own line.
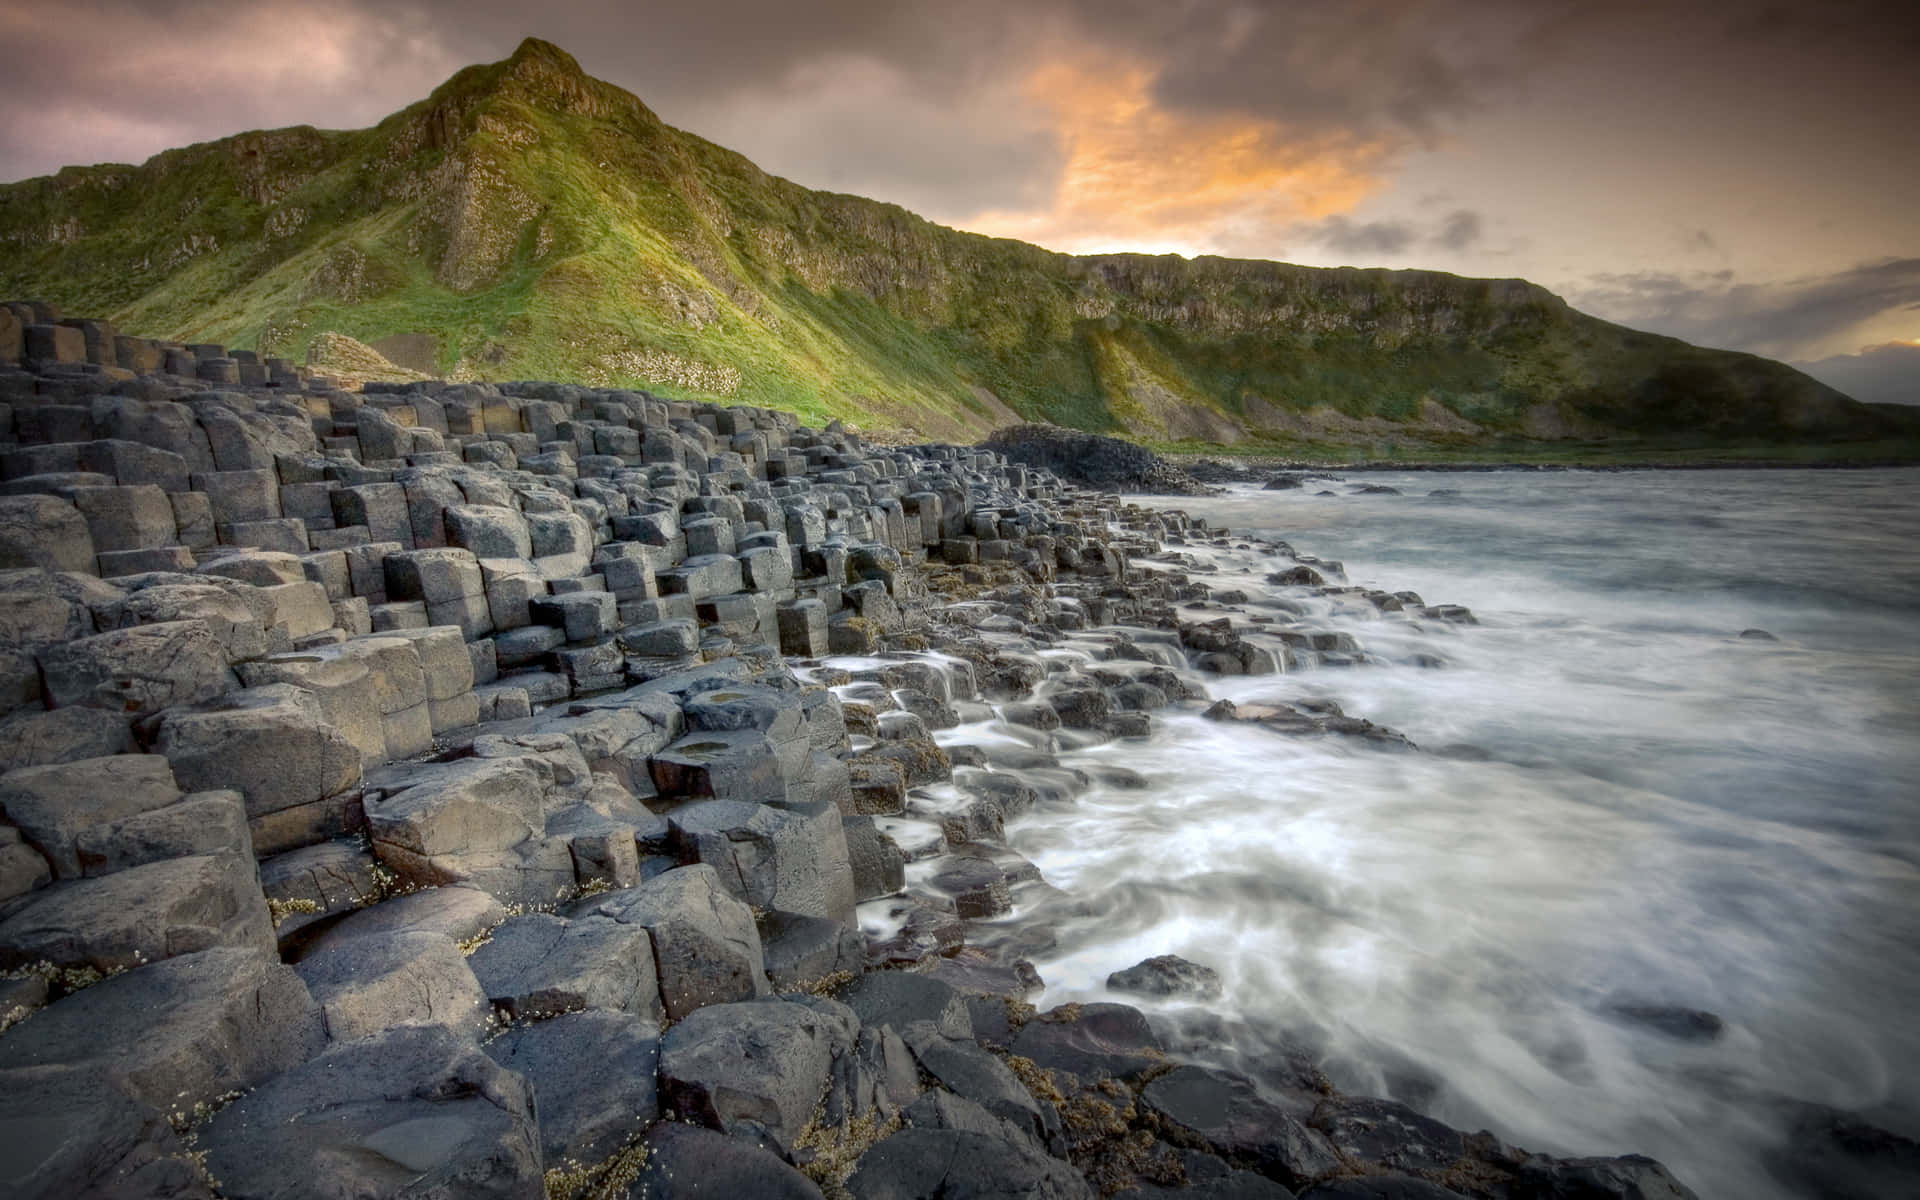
{"type": "Point", "coordinates": [1223, 1113]}
{"type": "Point", "coordinates": [180, 1032]}
{"type": "Point", "coordinates": [1167, 975]}
{"type": "Point", "coordinates": [901, 998]}
{"type": "Point", "coordinates": [594, 1077]}
{"type": "Point", "coordinates": [1092, 1041]}
{"type": "Point", "coordinates": [540, 965]}
{"type": "Point", "coordinates": [687, 1162]}
{"type": "Point", "coordinates": [957, 1164]}
{"type": "Point", "coordinates": [802, 950]}
{"type": "Point", "coordinates": [1390, 1134]}
{"type": "Point", "coordinates": [368, 985]}
{"type": "Point", "coordinates": [761, 1066]}
{"type": "Point", "coordinates": [416, 1112]}
{"type": "Point", "coordinates": [705, 947]}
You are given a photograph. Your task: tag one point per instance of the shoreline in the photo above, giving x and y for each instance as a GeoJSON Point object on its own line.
{"type": "Point", "coordinates": [511, 762]}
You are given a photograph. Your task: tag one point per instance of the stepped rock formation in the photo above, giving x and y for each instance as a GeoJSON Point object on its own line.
{"type": "Point", "coordinates": [526, 220]}
{"type": "Point", "coordinates": [449, 789]}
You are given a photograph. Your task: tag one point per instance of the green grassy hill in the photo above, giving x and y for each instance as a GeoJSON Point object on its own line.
{"type": "Point", "coordinates": [527, 221]}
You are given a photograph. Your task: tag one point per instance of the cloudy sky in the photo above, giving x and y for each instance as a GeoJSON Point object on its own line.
{"type": "Point", "coordinates": [1740, 174]}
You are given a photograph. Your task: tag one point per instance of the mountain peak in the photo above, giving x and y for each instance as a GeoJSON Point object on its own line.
{"type": "Point", "coordinates": [535, 52]}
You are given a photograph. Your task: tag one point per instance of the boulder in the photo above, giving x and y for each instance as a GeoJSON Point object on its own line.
{"type": "Point", "coordinates": [793, 859]}
{"type": "Point", "coordinates": [755, 1067]}
{"type": "Point", "coordinates": [801, 951]}
{"type": "Point", "coordinates": [966, 1070]}
{"type": "Point", "coordinates": [139, 670]}
{"type": "Point", "coordinates": [203, 823]}
{"type": "Point", "coordinates": [900, 998]}
{"type": "Point", "coordinates": [54, 805]}
{"type": "Point", "coordinates": [181, 1032]}
{"type": "Point", "coordinates": [418, 1111]}
{"type": "Point", "coordinates": [1092, 1041]}
{"type": "Point", "coordinates": [705, 946]}
{"type": "Point", "coordinates": [36, 739]}
{"type": "Point", "coordinates": [140, 915]}
{"type": "Point", "coordinates": [957, 1164]}
{"type": "Point", "coordinates": [539, 965]}
{"type": "Point", "coordinates": [1224, 1114]}
{"type": "Point", "coordinates": [594, 1075]}
{"type": "Point", "coordinates": [463, 914]}
{"type": "Point", "coordinates": [688, 1162]}
{"type": "Point", "coordinates": [44, 531]}
{"type": "Point", "coordinates": [272, 744]}
{"type": "Point", "coordinates": [370, 984]}
{"type": "Point", "coordinates": [1167, 975]}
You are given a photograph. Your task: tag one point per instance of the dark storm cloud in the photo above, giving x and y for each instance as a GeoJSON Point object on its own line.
{"type": "Point", "coordinates": [1373, 241]}
{"type": "Point", "coordinates": [1461, 229]}
{"type": "Point", "coordinates": [1781, 319]}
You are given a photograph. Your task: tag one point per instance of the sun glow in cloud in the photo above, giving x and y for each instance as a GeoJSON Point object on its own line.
{"type": "Point", "coordinates": [1142, 177]}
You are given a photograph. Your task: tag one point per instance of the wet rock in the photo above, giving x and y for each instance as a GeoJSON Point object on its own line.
{"type": "Point", "coordinates": [417, 1111]}
{"type": "Point", "coordinates": [1167, 975]}
{"type": "Point", "coordinates": [1757, 635]}
{"type": "Point", "coordinates": [973, 1074]}
{"type": "Point", "coordinates": [1630, 1177]}
{"type": "Point", "coordinates": [1297, 576]}
{"type": "Point", "coordinates": [1828, 1152]}
{"type": "Point", "coordinates": [1392, 1135]}
{"type": "Point", "coordinates": [900, 998]}
{"type": "Point", "coordinates": [1681, 1024]}
{"type": "Point", "coordinates": [878, 866]}
{"type": "Point", "coordinates": [1092, 1041]}
{"type": "Point", "coordinates": [1093, 461]}
{"type": "Point", "coordinates": [1391, 1186]}
{"type": "Point", "coordinates": [1223, 1113]}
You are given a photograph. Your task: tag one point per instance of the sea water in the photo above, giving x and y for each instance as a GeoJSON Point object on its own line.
{"type": "Point", "coordinates": [1619, 804]}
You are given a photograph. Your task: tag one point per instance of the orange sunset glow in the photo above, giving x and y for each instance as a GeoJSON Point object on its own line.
{"type": "Point", "coordinates": [1140, 177]}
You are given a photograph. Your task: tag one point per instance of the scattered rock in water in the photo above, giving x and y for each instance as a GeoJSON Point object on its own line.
{"type": "Point", "coordinates": [1167, 975]}
{"type": "Point", "coordinates": [1376, 489]}
{"type": "Point", "coordinates": [1681, 1024]}
{"type": "Point", "coordinates": [1308, 718]}
{"type": "Point", "coordinates": [1283, 483]}
{"type": "Point", "coordinates": [1757, 635]}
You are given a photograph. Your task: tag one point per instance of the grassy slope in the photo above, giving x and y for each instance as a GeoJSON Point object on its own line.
{"type": "Point", "coordinates": [546, 225]}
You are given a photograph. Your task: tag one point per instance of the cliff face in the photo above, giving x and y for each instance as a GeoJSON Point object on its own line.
{"type": "Point", "coordinates": [526, 220]}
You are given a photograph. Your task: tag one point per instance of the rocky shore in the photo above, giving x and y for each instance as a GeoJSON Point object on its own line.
{"type": "Point", "coordinates": [531, 790]}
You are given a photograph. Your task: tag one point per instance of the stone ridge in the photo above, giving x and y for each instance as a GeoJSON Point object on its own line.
{"type": "Point", "coordinates": [458, 789]}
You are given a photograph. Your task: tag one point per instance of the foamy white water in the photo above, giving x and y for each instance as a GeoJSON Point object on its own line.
{"type": "Point", "coordinates": [1618, 802]}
